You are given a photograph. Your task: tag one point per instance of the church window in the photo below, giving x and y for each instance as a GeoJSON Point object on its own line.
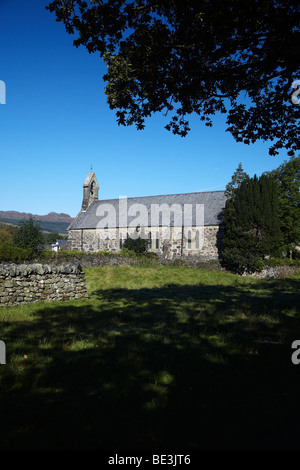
{"type": "Point", "coordinates": [197, 240]}
{"type": "Point", "coordinates": [189, 240]}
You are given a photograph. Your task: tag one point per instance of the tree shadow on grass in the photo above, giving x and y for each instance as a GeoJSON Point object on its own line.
{"type": "Point", "coordinates": [178, 367]}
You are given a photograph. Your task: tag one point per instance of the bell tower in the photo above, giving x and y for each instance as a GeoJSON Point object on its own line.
{"type": "Point", "coordinates": [90, 191]}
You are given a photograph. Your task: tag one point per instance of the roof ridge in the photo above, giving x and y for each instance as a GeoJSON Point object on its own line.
{"type": "Point", "coordinates": [162, 195]}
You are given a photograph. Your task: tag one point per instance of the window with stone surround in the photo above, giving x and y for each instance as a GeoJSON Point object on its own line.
{"type": "Point", "coordinates": [197, 240]}
{"type": "Point", "coordinates": [189, 240]}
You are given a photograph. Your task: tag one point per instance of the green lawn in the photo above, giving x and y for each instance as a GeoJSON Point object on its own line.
{"type": "Point", "coordinates": [156, 358]}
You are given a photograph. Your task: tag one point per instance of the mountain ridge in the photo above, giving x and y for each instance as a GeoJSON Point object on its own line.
{"type": "Point", "coordinates": [51, 217]}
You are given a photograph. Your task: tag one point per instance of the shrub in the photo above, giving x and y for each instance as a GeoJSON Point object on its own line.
{"type": "Point", "coordinates": [138, 245]}
{"type": "Point", "coordinates": [273, 262]}
{"type": "Point", "coordinates": [11, 253]}
{"type": "Point", "coordinates": [47, 254]}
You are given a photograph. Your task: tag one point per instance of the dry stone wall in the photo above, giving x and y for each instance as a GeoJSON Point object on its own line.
{"type": "Point", "coordinates": [27, 283]}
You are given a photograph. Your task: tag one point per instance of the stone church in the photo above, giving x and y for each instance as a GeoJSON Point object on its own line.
{"type": "Point", "coordinates": [175, 225]}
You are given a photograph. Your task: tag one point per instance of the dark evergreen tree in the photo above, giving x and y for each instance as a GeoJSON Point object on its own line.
{"type": "Point", "coordinates": [252, 227]}
{"type": "Point", "coordinates": [288, 176]}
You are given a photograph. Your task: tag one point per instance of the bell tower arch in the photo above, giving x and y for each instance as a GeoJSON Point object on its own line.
{"type": "Point", "coordinates": [90, 191]}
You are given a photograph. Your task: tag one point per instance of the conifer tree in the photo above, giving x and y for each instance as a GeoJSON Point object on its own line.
{"type": "Point", "coordinates": [238, 176]}
{"type": "Point", "coordinates": [252, 227]}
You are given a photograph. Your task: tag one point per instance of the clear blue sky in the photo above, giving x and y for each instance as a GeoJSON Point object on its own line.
{"type": "Point", "coordinates": [56, 124]}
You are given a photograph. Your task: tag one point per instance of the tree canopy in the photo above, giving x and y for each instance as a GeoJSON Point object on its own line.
{"type": "Point", "coordinates": [196, 56]}
{"type": "Point", "coordinates": [29, 235]}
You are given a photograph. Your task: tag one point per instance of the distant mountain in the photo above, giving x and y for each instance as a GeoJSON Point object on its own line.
{"type": "Point", "coordinates": [51, 222]}
{"type": "Point", "coordinates": [51, 217]}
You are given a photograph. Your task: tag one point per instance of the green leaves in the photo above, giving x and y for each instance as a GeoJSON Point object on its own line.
{"type": "Point", "coordinates": [203, 57]}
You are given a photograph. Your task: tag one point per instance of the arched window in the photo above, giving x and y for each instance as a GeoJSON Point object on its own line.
{"type": "Point", "coordinates": [92, 189]}
{"type": "Point", "coordinates": [189, 241]}
{"type": "Point", "coordinates": [197, 240]}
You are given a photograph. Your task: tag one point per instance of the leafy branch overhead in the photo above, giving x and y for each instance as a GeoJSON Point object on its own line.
{"type": "Point", "coordinates": [197, 56]}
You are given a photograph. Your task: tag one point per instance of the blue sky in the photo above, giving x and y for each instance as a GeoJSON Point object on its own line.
{"type": "Point", "coordinates": [56, 124]}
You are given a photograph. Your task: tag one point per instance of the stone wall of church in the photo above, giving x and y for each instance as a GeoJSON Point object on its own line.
{"type": "Point", "coordinates": [169, 242]}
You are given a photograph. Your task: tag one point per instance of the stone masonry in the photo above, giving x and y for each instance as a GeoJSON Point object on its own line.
{"type": "Point", "coordinates": [173, 247]}
{"type": "Point", "coordinates": [20, 284]}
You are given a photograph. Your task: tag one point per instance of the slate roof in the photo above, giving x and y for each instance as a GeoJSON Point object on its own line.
{"type": "Point", "coordinates": [213, 201]}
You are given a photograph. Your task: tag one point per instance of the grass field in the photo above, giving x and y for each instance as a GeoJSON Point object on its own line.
{"type": "Point", "coordinates": [156, 358]}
